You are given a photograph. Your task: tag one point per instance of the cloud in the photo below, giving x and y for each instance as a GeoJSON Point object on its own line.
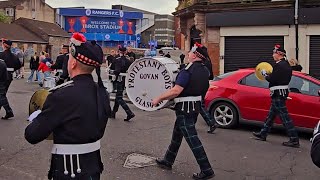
{"type": "Point", "coordinates": [157, 6]}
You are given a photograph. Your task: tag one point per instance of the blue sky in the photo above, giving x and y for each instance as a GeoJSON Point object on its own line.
{"type": "Point", "coordinates": [157, 6]}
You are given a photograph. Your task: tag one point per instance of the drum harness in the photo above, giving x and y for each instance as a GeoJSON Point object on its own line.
{"type": "Point", "coordinates": [187, 100]}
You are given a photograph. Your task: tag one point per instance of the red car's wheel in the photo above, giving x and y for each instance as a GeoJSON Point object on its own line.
{"type": "Point", "coordinates": [225, 115]}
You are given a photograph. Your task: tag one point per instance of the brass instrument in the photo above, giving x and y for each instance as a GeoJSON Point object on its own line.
{"type": "Point", "coordinates": [263, 66]}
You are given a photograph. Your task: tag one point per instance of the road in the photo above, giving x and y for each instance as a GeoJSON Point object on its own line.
{"type": "Point", "coordinates": [234, 154]}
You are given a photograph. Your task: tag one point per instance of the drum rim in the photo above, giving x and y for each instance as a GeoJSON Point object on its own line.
{"type": "Point", "coordinates": [171, 77]}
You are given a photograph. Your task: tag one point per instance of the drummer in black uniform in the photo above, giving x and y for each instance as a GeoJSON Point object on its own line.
{"type": "Point", "coordinates": [13, 64]}
{"type": "Point", "coordinates": [279, 80]}
{"type": "Point", "coordinates": [315, 148]}
{"type": "Point", "coordinates": [122, 64]}
{"type": "Point", "coordinates": [58, 65]}
{"type": "Point", "coordinates": [64, 76]}
{"type": "Point", "coordinates": [3, 81]}
{"type": "Point", "coordinates": [76, 113]}
{"type": "Point", "coordinates": [191, 83]}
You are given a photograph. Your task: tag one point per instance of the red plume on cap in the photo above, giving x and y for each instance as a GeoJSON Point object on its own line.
{"type": "Point", "coordinates": [277, 46]}
{"type": "Point", "coordinates": [77, 39]}
{"type": "Point", "coordinates": [198, 44]}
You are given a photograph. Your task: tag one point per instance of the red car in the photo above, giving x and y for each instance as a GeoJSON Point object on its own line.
{"type": "Point", "coordinates": [239, 95]}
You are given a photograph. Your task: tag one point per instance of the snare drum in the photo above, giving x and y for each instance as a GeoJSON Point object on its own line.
{"type": "Point", "coordinates": [49, 82]}
{"type": "Point", "coordinates": [148, 78]}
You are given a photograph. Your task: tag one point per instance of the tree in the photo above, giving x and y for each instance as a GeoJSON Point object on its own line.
{"type": "Point", "coordinates": [4, 18]}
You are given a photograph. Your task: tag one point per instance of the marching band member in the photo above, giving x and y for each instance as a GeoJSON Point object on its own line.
{"type": "Point", "coordinates": [76, 112]}
{"type": "Point", "coordinates": [58, 65]}
{"type": "Point", "coordinates": [13, 64]}
{"type": "Point", "coordinates": [191, 83]}
{"type": "Point", "coordinates": [3, 81]}
{"type": "Point", "coordinates": [279, 80]}
{"type": "Point", "coordinates": [207, 117]}
{"type": "Point", "coordinates": [122, 64]}
{"type": "Point", "coordinates": [315, 149]}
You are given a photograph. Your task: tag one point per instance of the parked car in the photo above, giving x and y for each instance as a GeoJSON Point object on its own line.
{"type": "Point", "coordinates": [239, 95]}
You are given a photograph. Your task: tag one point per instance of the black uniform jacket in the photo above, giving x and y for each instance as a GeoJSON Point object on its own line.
{"type": "Point", "coordinates": [34, 63]}
{"type": "Point", "coordinates": [197, 85]}
{"type": "Point", "coordinates": [3, 73]}
{"type": "Point", "coordinates": [59, 62]}
{"type": "Point", "coordinates": [315, 151]}
{"type": "Point", "coordinates": [122, 63]}
{"type": "Point", "coordinates": [65, 73]}
{"type": "Point", "coordinates": [280, 76]}
{"type": "Point", "coordinates": [10, 59]}
{"type": "Point", "coordinates": [71, 113]}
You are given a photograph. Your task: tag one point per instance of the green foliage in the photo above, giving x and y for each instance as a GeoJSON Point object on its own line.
{"type": "Point", "coordinates": [4, 18]}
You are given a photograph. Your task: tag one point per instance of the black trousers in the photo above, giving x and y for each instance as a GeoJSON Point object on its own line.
{"type": "Point", "coordinates": [3, 96]}
{"type": "Point", "coordinates": [86, 177]}
{"type": "Point", "coordinates": [278, 107]}
{"type": "Point", "coordinates": [185, 127]}
{"type": "Point", "coordinates": [7, 84]}
{"type": "Point", "coordinates": [206, 115]}
{"type": "Point", "coordinates": [119, 100]}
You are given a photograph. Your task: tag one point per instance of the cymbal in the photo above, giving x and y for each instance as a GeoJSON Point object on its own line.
{"type": "Point", "coordinates": [37, 100]}
{"type": "Point", "coordinates": [263, 66]}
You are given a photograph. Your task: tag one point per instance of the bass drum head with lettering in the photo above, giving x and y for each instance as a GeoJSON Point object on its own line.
{"type": "Point", "coordinates": [37, 100]}
{"type": "Point", "coordinates": [148, 78]}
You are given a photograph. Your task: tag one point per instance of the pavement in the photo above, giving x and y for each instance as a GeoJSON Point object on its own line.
{"type": "Point", "coordinates": [234, 154]}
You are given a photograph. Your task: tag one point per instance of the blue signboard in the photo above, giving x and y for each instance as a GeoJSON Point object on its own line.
{"type": "Point", "coordinates": [87, 24]}
{"type": "Point", "coordinates": [100, 13]}
{"type": "Point", "coordinates": [110, 37]}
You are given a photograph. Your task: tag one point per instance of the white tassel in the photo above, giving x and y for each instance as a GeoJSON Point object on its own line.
{"type": "Point", "coordinates": [71, 163]}
{"type": "Point", "coordinates": [188, 107]}
{"type": "Point", "coordinates": [182, 109]}
{"type": "Point", "coordinates": [193, 105]}
{"type": "Point", "coordinates": [78, 164]}
{"type": "Point", "coordinates": [65, 165]}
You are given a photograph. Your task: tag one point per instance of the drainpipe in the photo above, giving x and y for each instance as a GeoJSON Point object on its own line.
{"type": "Point", "coordinates": [296, 22]}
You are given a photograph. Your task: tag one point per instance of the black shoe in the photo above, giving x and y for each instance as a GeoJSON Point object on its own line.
{"type": "Point", "coordinates": [7, 116]}
{"type": "Point", "coordinates": [292, 143]}
{"type": "Point", "coordinates": [112, 115]}
{"type": "Point", "coordinates": [259, 136]}
{"type": "Point", "coordinates": [212, 129]}
{"type": "Point", "coordinates": [202, 175]}
{"type": "Point", "coordinates": [129, 117]}
{"type": "Point", "coordinates": [163, 164]}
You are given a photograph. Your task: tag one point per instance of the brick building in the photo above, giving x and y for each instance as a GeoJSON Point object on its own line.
{"type": "Point", "coordinates": [32, 26]}
{"type": "Point", "coordinates": [38, 35]}
{"type": "Point", "coordinates": [31, 9]}
{"type": "Point", "coordinates": [240, 34]}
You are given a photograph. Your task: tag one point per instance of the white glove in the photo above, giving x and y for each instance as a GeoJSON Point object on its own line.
{"type": "Point", "coordinates": [48, 64]}
{"type": "Point", "coordinates": [316, 131]}
{"type": "Point", "coordinates": [264, 73]}
{"type": "Point", "coordinates": [34, 115]}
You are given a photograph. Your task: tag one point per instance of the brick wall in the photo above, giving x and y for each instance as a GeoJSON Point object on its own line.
{"type": "Point", "coordinates": [55, 44]}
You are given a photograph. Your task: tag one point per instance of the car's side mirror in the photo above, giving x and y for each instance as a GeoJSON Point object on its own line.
{"type": "Point", "coordinates": [319, 92]}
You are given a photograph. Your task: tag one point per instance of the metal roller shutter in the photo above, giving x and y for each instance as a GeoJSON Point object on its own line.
{"type": "Point", "coordinates": [314, 64]}
{"type": "Point", "coordinates": [247, 52]}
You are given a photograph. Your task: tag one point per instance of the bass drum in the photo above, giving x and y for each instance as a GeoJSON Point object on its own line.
{"type": "Point", "coordinates": [148, 78]}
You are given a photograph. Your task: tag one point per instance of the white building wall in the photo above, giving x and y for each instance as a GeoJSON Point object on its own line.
{"type": "Point", "coordinates": [289, 39]}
